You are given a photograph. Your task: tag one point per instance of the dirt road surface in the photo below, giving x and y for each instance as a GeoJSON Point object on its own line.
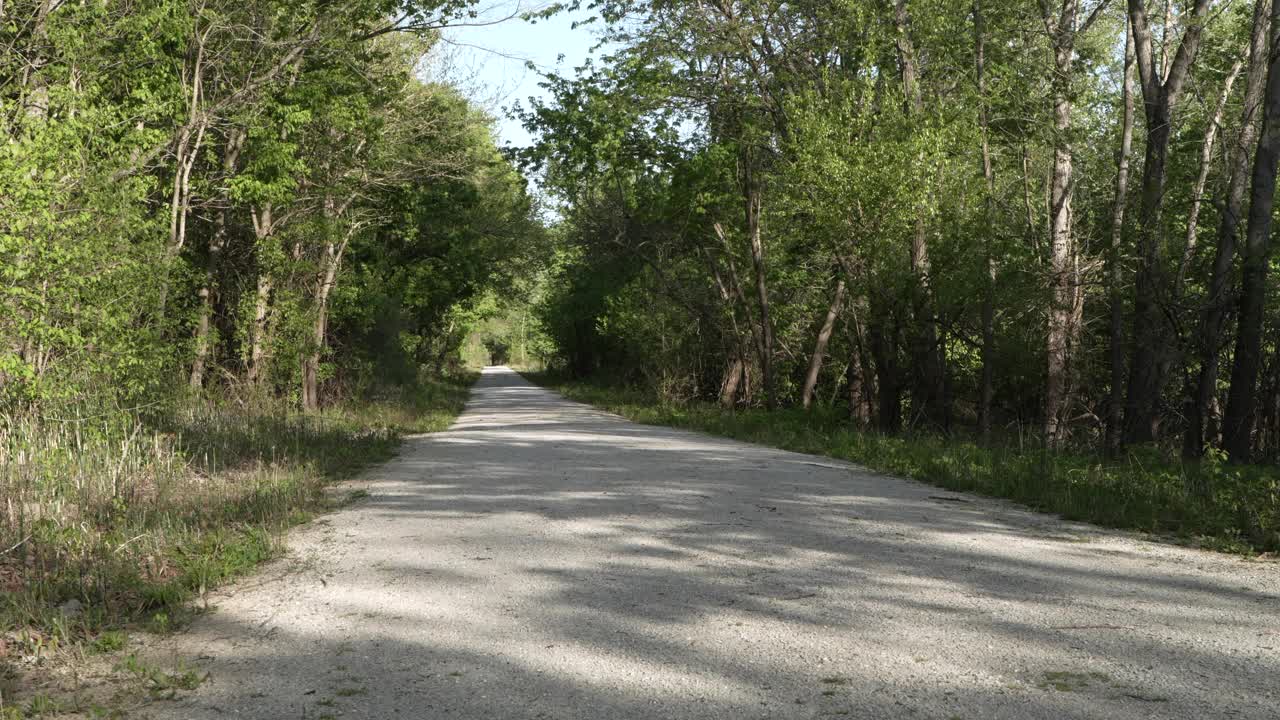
{"type": "Point", "coordinates": [546, 560]}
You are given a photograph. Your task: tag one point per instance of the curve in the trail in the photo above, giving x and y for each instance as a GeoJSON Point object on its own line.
{"type": "Point", "coordinates": [542, 559]}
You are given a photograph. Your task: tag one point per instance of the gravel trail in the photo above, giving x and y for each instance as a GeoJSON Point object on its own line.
{"type": "Point", "coordinates": [542, 559]}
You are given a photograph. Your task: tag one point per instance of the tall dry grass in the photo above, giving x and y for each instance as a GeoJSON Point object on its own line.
{"type": "Point", "coordinates": [111, 518]}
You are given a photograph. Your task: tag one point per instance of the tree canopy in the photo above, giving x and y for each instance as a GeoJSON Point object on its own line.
{"type": "Point", "coordinates": [267, 197]}
{"type": "Point", "coordinates": [922, 210]}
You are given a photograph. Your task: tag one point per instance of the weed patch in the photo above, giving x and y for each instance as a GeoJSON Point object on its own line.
{"type": "Point", "coordinates": [121, 520]}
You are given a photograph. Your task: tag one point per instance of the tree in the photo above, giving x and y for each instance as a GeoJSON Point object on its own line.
{"type": "Point", "coordinates": [1238, 421]}
{"type": "Point", "coordinates": [1063, 279]}
{"type": "Point", "coordinates": [1217, 298]}
{"type": "Point", "coordinates": [842, 201]}
{"type": "Point", "coordinates": [184, 181]}
{"type": "Point", "coordinates": [1161, 90]}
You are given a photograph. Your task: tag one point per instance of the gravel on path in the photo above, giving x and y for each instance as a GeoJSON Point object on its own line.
{"type": "Point", "coordinates": [542, 559]}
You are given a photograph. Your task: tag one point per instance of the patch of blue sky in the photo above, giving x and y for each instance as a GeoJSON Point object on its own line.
{"type": "Point", "coordinates": [489, 57]}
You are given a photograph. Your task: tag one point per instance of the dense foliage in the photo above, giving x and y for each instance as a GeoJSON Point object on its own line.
{"type": "Point", "coordinates": [997, 218]}
{"type": "Point", "coordinates": [271, 198]}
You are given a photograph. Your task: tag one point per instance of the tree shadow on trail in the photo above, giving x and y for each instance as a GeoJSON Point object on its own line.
{"type": "Point", "coordinates": [580, 566]}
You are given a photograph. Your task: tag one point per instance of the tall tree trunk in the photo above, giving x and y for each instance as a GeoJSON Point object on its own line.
{"type": "Point", "coordinates": [1238, 422]}
{"type": "Point", "coordinates": [883, 336]}
{"type": "Point", "coordinates": [330, 259]}
{"type": "Point", "coordinates": [1061, 242]}
{"type": "Point", "coordinates": [1115, 262]}
{"type": "Point", "coordinates": [263, 228]}
{"type": "Point", "coordinates": [820, 345]}
{"type": "Point", "coordinates": [196, 378]}
{"type": "Point", "coordinates": [205, 297]}
{"type": "Point", "coordinates": [186, 152]}
{"type": "Point", "coordinates": [1269, 407]}
{"type": "Point", "coordinates": [1148, 333]}
{"type": "Point", "coordinates": [259, 341]}
{"type": "Point", "coordinates": [752, 196]}
{"type": "Point", "coordinates": [859, 375]}
{"type": "Point", "coordinates": [854, 380]}
{"type": "Point", "coordinates": [1160, 94]}
{"type": "Point", "coordinates": [311, 363]}
{"type": "Point", "coordinates": [446, 344]}
{"type": "Point", "coordinates": [735, 298]}
{"type": "Point", "coordinates": [1217, 300]}
{"type": "Point", "coordinates": [217, 243]}
{"type": "Point", "coordinates": [332, 263]}
{"type": "Point", "coordinates": [1065, 296]}
{"type": "Point", "coordinates": [319, 331]}
{"type": "Point", "coordinates": [986, 387]}
{"type": "Point", "coordinates": [928, 395]}
{"type": "Point", "coordinates": [1192, 235]}
{"type": "Point", "coordinates": [35, 86]}
{"type": "Point", "coordinates": [732, 382]}
{"type": "Point", "coordinates": [1202, 179]}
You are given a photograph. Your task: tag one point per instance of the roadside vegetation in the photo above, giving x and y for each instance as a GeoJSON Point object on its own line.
{"type": "Point", "coordinates": [124, 516]}
{"type": "Point", "coordinates": [1145, 490]}
{"type": "Point", "coordinates": [125, 522]}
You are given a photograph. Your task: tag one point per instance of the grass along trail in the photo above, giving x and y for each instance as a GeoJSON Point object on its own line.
{"type": "Point", "coordinates": [121, 525]}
